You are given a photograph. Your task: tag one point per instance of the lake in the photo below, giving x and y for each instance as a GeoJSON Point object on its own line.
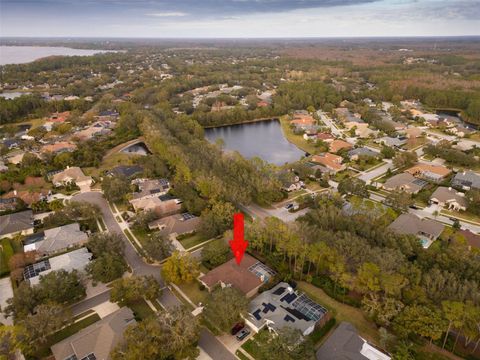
{"type": "Point", "coordinates": [264, 139]}
{"type": "Point", "coordinates": [26, 54]}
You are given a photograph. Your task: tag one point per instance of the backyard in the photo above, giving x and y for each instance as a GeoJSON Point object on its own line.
{"type": "Point", "coordinates": [342, 312]}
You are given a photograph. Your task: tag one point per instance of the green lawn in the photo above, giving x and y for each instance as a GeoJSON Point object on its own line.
{"type": "Point", "coordinates": [192, 290]}
{"type": "Point", "coordinates": [192, 240]}
{"type": "Point", "coordinates": [44, 351]}
{"type": "Point", "coordinates": [296, 193]}
{"type": "Point", "coordinates": [342, 312]}
{"type": "Point", "coordinates": [141, 309]}
{"type": "Point", "coordinates": [297, 140]}
{"type": "Point", "coordinates": [367, 166]}
{"type": "Point", "coordinates": [462, 215]}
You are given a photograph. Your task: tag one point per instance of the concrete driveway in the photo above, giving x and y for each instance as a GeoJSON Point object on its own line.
{"type": "Point", "coordinates": [134, 260]}
{"type": "Point", "coordinates": [213, 347]}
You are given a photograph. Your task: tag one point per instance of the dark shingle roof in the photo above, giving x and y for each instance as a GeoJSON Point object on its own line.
{"type": "Point", "coordinates": [16, 222]}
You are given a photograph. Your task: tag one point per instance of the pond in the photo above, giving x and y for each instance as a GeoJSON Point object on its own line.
{"type": "Point", "coordinates": [263, 139]}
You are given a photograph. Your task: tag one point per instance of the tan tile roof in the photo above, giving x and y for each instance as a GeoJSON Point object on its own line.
{"type": "Point", "coordinates": [337, 145]}
{"type": "Point", "coordinates": [237, 275]}
{"type": "Point", "coordinates": [62, 145]}
{"type": "Point", "coordinates": [331, 161]}
{"type": "Point", "coordinates": [435, 169]}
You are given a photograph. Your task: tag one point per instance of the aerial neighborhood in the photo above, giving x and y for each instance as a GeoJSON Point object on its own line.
{"type": "Point", "coordinates": [121, 172]}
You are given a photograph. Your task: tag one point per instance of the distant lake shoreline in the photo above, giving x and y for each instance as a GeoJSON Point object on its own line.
{"type": "Point", "coordinates": [25, 54]}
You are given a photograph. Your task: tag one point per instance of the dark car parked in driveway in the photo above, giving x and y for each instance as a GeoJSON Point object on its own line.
{"type": "Point", "coordinates": [243, 334]}
{"type": "Point", "coordinates": [237, 328]}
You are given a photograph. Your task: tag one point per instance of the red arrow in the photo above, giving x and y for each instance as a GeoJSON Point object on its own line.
{"type": "Point", "coordinates": [238, 244]}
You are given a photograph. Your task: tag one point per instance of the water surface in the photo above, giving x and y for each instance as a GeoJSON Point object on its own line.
{"type": "Point", "coordinates": [264, 139]}
{"type": "Point", "coordinates": [26, 54]}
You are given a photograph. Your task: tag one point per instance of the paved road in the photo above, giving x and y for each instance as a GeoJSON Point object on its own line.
{"type": "Point", "coordinates": [213, 347]}
{"type": "Point", "coordinates": [329, 122]}
{"type": "Point", "coordinates": [135, 261]}
{"type": "Point", "coordinates": [89, 303]}
{"type": "Point", "coordinates": [369, 175]}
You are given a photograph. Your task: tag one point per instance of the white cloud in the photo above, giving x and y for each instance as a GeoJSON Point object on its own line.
{"type": "Point", "coordinates": [168, 14]}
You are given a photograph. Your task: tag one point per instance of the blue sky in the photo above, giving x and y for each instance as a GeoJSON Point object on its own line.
{"type": "Point", "coordinates": [239, 18]}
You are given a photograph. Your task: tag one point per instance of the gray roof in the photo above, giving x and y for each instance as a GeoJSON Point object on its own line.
{"type": "Point", "coordinates": [282, 306]}
{"type": "Point", "coordinates": [362, 151]}
{"type": "Point", "coordinates": [16, 222]}
{"type": "Point", "coordinates": [444, 194]}
{"type": "Point", "coordinates": [391, 141]}
{"type": "Point", "coordinates": [152, 187]}
{"type": "Point", "coordinates": [343, 344]}
{"type": "Point", "coordinates": [60, 238]}
{"type": "Point", "coordinates": [406, 182]}
{"type": "Point", "coordinates": [98, 339]}
{"type": "Point", "coordinates": [410, 224]}
{"type": "Point", "coordinates": [73, 260]}
{"type": "Point", "coordinates": [467, 178]}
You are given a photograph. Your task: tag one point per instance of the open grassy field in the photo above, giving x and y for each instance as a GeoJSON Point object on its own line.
{"type": "Point", "coordinates": [192, 290]}
{"type": "Point", "coordinates": [192, 240]}
{"type": "Point", "coordinates": [342, 312]}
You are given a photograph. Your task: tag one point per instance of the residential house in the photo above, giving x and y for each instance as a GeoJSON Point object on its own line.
{"type": "Point", "coordinates": [70, 261]}
{"type": "Point", "coordinates": [107, 115]}
{"type": "Point", "coordinates": [8, 203]}
{"type": "Point", "coordinates": [355, 154]}
{"type": "Point", "coordinates": [15, 157]}
{"type": "Point", "coordinates": [151, 188]}
{"type": "Point", "coordinates": [282, 307]}
{"type": "Point", "coordinates": [449, 198]}
{"type": "Point", "coordinates": [435, 173]}
{"type": "Point", "coordinates": [396, 142]}
{"type": "Point", "coordinates": [176, 224]}
{"type": "Point", "coordinates": [460, 131]}
{"type": "Point", "coordinates": [20, 223]}
{"type": "Point", "coordinates": [290, 181]}
{"type": "Point", "coordinates": [404, 182]}
{"type": "Point", "coordinates": [96, 341]}
{"type": "Point", "coordinates": [466, 180]}
{"type": "Point", "coordinates": [337, 145]}
{"type": "Point", "coordinates": [56, 240]}
{"type": "Point", "coordinates": [345, 344]}
{"type": "Point", "coordinates": [332, 163]}
{"type": "Point", "coordinates": [426, 230]}
{"type": "Point", "coordinates": [247, 277]}
{"type": "Point", "coordinates": [302, 120]}
{"type": "Point", "coordinates": [413, 132]}
{"type": "Point", "coordinates": [58, 147]}
{"type": "Point", "coordinates": [472, 240]}
{"type": "Point", "coordinates": [97, 129]}
{"type": "Point", "coordinates": [326, 137]}
{"type": "Point", "coordinates": [72, 175]}
{"type": "Point", "coordinates": [27, 196]}
{"type": "Point", "coordinates": [59, 117]}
